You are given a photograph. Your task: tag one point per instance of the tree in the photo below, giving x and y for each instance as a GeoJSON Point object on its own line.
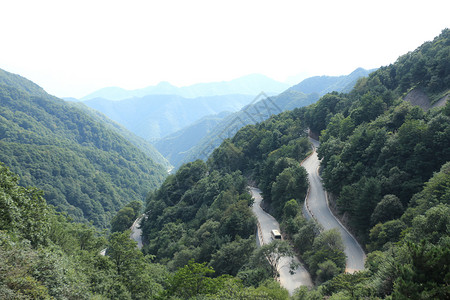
{"type": "Point", "coordinates": [191, 280]}
{"type": "Point", "coordinates": [291, 209]}
{"type": "Point", "coordinates": [123, 252]}
{"type": "Point", "coordinates": [230, 258]}
{"type": "Point", "coordinates": [388, 208]}
{"type": "Point", "coordinates": [22, 210]}
{"type": "Point", "coordinates": [238, 220]}
{"type": "Point", "coordinates": [123, 219]}
{"type": "Point", "coordinates": [326, 271]}
{"type": "Point", "coordinates": [383, 233]}
{"type": "Point", "coordinates": [327, 245]}
{"type": "Point", "coordinates": [274, 253]}
{"type": "Point", "coordinates": [291, 183]}
{"type": "Point", "coordinates": [348, 282]}
{"type": "Point", "coordinates": [427, 274]}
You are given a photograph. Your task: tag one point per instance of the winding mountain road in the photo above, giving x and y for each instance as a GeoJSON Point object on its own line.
{"type": "Point", "coordinates": [266, 224]}
{"type": "Point", "coordinates": [317, 204]}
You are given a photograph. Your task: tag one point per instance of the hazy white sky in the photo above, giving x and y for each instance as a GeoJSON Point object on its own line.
{"type": "Point", "coordinates": [72, 48]}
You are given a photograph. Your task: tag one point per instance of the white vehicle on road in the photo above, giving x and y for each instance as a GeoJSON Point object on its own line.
{"type": "Point", "coordinates": [275, 234]}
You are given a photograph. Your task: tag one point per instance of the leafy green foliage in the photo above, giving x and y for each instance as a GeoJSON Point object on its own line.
{"type": "Point", "coordinates": [201, 215]}
{"type": "Point", "coordinates": [22, 210]}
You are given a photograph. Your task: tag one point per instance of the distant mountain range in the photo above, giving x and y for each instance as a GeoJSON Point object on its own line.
{"type": "Point", "coordinates": [327, 84]}
{"type": "Point", "coordinates": [156, 116]}
{"type": "Point", "coordinates": [247, 85]}
{"type": "Point", "coordinates": [175, 145]}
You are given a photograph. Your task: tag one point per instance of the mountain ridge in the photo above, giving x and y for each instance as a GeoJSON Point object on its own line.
{"type": "Point", "coordinates": [251, 84]}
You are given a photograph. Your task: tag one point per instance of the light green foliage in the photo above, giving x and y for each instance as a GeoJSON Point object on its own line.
{"type": "Point", "coordinates": [433, 226]}
{"type": "Point", "coordinates": [134, 270]}
{"type": "Point", "coordinates": [291, 209]}
{"type": "Point", "coordinates": [22, 210]}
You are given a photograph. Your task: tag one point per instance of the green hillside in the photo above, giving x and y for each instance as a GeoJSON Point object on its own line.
{"type": "Point", "coordinates": [137, 141]}
{"type": "Point", "coordinates": [84, 168]}
{"type": "Point", "coordinates": [258, 111]}
{"type": "Point", "coordinates": [385, 163]}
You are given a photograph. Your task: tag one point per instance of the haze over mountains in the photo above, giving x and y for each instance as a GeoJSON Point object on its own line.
{"type": "Point", "coordinates": [155, 116]}
{"type": "Point", "coordinates": [246, 85]}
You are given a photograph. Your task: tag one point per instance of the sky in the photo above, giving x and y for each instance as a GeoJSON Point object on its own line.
{"type": "Point", "coordinates": [72, 48]}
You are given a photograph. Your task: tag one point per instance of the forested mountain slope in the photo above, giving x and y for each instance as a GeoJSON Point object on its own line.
{"type": "Point", "coordinates": [386, 164]}
{"type": "Point", "coordinates": [84, 168]}
{"type": "Point", "coordinates": [137, 141]}
{"type": "Point", "coordinates": [258, 111]}
{"type": "Point", "coordinates": [376, 144]}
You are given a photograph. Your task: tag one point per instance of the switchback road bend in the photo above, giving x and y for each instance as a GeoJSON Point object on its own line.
{"type": "Point", "coordinates": [266, 224]}
{"type": "Point", "coordinates": [318, 206]}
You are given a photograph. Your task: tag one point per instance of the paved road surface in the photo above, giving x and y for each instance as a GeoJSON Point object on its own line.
{"type": "Point", "coordinates": [317, 204]}
{"type": "Point", "coordinates": [136, 232]}
{"type": "Point", "coordinates": [267, 223]}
